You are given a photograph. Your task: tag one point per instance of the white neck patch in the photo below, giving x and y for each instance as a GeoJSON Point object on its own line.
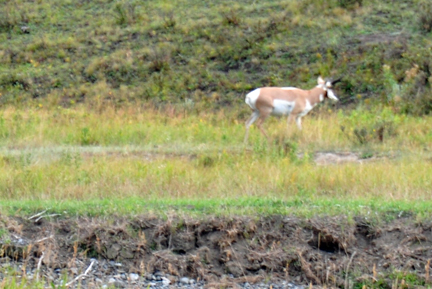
{"type": "Point", "coordinates": [322, 86]}
{"type": "Point", "coordinates": [321, 97]}
{"type": "Point", "coordinates": [331, 95]}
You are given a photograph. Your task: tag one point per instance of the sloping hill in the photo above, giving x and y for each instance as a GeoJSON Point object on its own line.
{"type": "Point", "coordinates": [64, 52]}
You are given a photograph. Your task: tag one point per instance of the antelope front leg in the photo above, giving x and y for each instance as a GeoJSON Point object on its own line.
{"type": "Point", "coordinates": [298, 121]}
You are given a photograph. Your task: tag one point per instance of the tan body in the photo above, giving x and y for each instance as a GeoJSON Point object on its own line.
{"type": "Point", "coordinates": [289, 101]}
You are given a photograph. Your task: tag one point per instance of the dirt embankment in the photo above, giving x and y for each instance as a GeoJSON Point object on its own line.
{"type": "Point", "coordinates": [323, 251]}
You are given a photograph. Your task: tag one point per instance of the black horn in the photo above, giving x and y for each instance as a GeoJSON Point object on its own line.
{"type": "Point", "coordinates": [336, 80]}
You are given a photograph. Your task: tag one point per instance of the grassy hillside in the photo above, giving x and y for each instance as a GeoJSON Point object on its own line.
{"type": "Point", "coordinates": [208, 54]}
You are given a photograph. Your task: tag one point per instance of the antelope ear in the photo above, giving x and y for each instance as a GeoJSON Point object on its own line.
{"type": "Point", "coordinates": [320, 81]}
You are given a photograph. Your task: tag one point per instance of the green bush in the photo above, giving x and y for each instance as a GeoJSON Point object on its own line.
{"type": "Point", "coordinates": [363, 127]}
{"type": "Point", "coordinates": [350, 3]}
{"type": "Point", "coordinates": [425, 15]}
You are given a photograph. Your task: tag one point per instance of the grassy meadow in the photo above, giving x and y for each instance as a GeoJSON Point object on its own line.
{"type": "Point", "coordinates": [137, 161]}
{"type": "Point", "coordinates": [137, 106]}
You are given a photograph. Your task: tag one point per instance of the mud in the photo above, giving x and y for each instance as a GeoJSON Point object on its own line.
{"type": "Point", "coordinates": [331, 252]}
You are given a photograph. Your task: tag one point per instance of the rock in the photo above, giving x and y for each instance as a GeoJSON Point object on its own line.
{"type": "Point", "coordinates": [158, 276]}
{"type": "Point", "coordinates": [165, 281]}
{"type": "Point", "coordinates": [119, 284]}
{"type": "Point", "coordinates": [184, 280]}
{"type": "Point", "coordinates": [25, 29]}
{"type": "Point", "coordinates": [113, 251]}
{"type": "Point", "coordinates": [133, 276]}
{"type": "Point", "coordinates": [148, 276]}
{"type": "Point", "coordinates": [172, 279]}
{"type": "Point", "coordinates": [127, 254]}
{"type": "Point", "coordinates": [234, 268]}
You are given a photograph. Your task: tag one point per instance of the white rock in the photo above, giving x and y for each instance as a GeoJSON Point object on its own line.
{"type": "Point", "coordinates": [133, 276]}
{"type": "Point", "coordinates": [165, 281]}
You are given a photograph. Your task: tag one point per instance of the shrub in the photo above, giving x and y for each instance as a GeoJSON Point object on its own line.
{"type": "Point", "coordinates": [425, 15]}
{"type": "Point", "coordinates": [9, 17]}
{"type": "Point", "coordinates": [413, 94]}
{"type": "Point", "coordinates": [231, 18]}
{"type": "Point", "coordinates": [124, 13]}
{"type": "Point", "coordinates": [362, 128]}
{"type": "Point", "coordinates": [349, 3]}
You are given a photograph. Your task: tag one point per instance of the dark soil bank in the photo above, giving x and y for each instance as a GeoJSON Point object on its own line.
{"type": "Point", "coordinates": [218, 252]}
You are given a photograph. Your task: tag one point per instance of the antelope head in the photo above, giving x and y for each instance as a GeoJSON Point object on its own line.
{"type": "Point", "coordinates": [327, 85]}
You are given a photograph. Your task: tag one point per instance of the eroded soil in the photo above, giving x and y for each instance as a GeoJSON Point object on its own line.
{"type": "Point", "coordinates": [330, 251]}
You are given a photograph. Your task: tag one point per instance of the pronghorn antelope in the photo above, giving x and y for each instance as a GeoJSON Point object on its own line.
{"type": "Point", "coordinates": [289, 101]}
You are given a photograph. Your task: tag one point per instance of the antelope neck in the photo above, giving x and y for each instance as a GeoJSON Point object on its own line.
{"type": "Point", "coordinates": [316, 95]}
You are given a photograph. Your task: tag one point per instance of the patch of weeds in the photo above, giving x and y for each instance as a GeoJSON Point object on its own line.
{"type": "Point", "coordinates": [260, 147]}
{"type": "Point", "coordinates": [363, 127]}
{"type": "Point", "coordinates": [20, 161]}
{"type": "Point", "coordinates": [71, 158]}
{"type": "Point", "coordinates": [412, 94]}
{"type": "Point", "coordinates": [425, 15]}
{"type": "Point", "coordinates": [124, 13]}
{"type": "Point", "coordinates": [169, 21]}
{"type": "Point", "coordinates": [231, 18]}
{"type": "Point", "coordinates": [406, 279]}
{"type": "Point", "coordinates": [4, 234]}
{"type": "Point", "coordinates": [10, 16]}
{"type": "Point", "coordinates": [14, 80]}
{"type": "Point", "coordinates": [285, 148]}
{"type": "Point", "coordinates": [348, 4]}
{"type": "Point", "coordinates": [87, 138]}
{"type": "Point", "coordinates": [380, 283]}
{"type": "Point", "coordinates": [159, 60]}
{"type": "Point", "coordinates": [206, 161]}
{"type": "Point", "coordinates": [366, 154]}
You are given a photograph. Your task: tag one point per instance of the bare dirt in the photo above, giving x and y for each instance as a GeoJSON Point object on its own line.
{"type": "Point", "coordinates": [223, 252]}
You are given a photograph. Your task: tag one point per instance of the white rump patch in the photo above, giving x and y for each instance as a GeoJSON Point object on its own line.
{"type": "Point", "coordinates": [282, 107]}
{"type": "Point", "coordinates": [252, 97]}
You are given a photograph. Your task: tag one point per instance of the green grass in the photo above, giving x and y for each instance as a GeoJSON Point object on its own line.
{"type": "Point", "coordinates": [300, 206]}
{"type": "Point", "coordinates": [209, 54]}
{"type": "Point", "coordinates": [133, 161]}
